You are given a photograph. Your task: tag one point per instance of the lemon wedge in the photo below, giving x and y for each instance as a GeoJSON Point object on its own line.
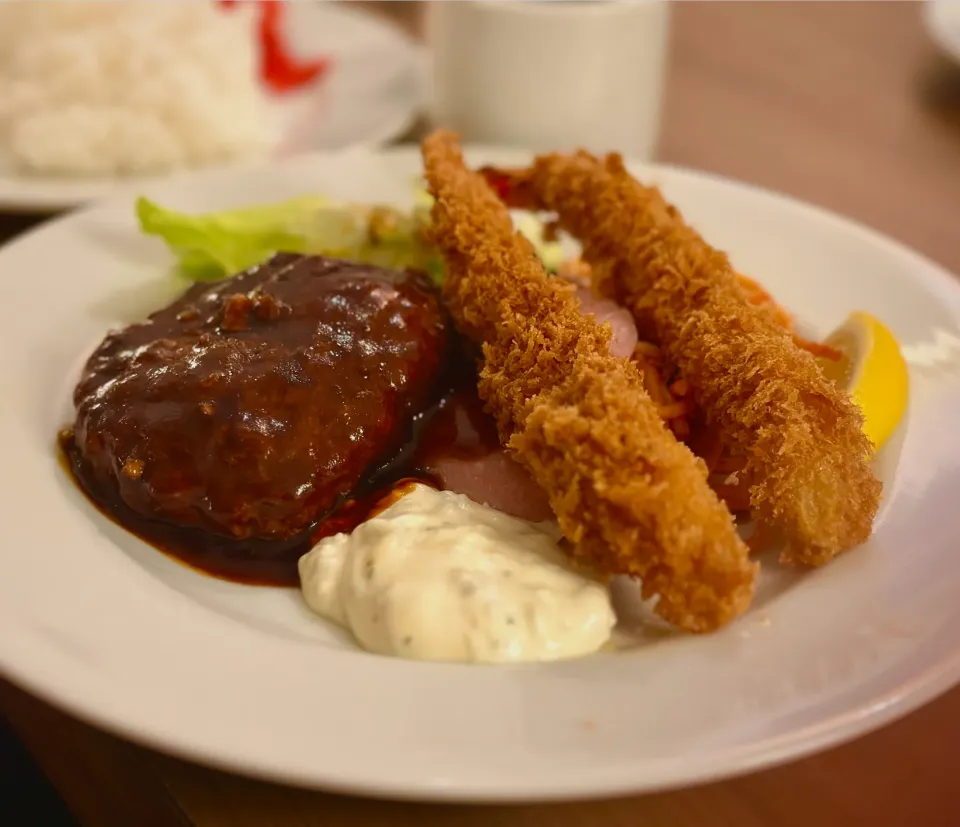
{"type": "Point", "coordinates": [872, 370]}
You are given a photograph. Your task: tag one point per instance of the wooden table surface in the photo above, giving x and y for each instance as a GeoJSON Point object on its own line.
{"type": "Point", "coordinates": [845, 105]}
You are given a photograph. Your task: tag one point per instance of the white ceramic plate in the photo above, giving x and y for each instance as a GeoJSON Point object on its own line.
{"type": "Point", "coordinates": [371, 95]}
{"type": "Point", "coordinates": [244, 678]}
{"type": "Point", "coordinates": [942, 20]}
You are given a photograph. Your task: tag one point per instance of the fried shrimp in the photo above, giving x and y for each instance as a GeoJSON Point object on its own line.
{"type": "Point", "coordinates": [630, 498]}
{"type": "Point", "coordinates": [807, 461]}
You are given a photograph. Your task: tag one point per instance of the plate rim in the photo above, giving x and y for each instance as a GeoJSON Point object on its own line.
{"type": "Point", "coordinates": [758, 756]}
{"type": "Point", "coordinates": [923, 687]}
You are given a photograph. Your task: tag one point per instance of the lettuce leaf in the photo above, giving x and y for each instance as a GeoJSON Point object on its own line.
{"type": "Point", "coordinates": [218, 244]}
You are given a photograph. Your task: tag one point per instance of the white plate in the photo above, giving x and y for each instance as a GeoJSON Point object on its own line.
{"type": "Point", "coordinates": [942, 20]}
{"type": "Point", "coordinates": [372, 94]}
{"type": "Point", "coordinates": [244, 678]}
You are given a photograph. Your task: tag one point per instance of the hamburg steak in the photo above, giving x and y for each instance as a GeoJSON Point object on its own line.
{"type": "Point", "coordinates": [252, 406]}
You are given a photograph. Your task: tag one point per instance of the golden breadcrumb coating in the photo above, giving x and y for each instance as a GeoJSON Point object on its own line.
{"type": "Point", "coordinates": [807, 459]}
{"type": "Point", "coordinates": [630, 497]}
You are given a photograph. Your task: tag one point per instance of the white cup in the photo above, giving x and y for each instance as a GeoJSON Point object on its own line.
{"type": "Point", "coordinates": [550, 75]}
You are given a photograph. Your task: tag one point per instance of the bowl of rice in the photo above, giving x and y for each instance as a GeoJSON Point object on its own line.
{"type": "Point", "coordinates": [132, 88]}
{"type": "Point", "coordinates": [96, 95]}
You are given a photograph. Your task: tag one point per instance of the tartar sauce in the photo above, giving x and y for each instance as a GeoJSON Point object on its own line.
{"type": "Point", "coordinates": [436, 576]}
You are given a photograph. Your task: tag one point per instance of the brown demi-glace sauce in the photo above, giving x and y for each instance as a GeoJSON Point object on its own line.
{"type": "Point", "coordinates": [456, 426]}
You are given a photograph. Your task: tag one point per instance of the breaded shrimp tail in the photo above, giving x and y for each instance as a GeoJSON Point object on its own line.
{"type": "Point", "coordinates": [807, 459]}
{"type": "Point", "coordinates": [630, 497]}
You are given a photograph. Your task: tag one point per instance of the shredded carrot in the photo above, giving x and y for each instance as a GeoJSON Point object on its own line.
{"type": "Point", "coordinates": [674, 398]}
{"type": "Point", "coordinates": [759, 297]}
{"type": "Point", "coordinates": [818, 349]}
{"type": "Point", "coordinates": [647, 350]}
{"type": "Point", "coordinates": [672, 411]}
{"type": "Point", "coordinates": [654, 384]}
{"type": "Point", "coordinates": [755, 293]}
{"type": "Point", "coordinates": [680, 388]}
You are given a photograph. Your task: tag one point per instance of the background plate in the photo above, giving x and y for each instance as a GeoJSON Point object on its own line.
{"type": "Point", "coordinates": [371, 95]}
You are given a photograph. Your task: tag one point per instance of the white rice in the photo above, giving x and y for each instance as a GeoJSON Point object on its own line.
{"type": "Point", "coordinates": [113, 88]}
